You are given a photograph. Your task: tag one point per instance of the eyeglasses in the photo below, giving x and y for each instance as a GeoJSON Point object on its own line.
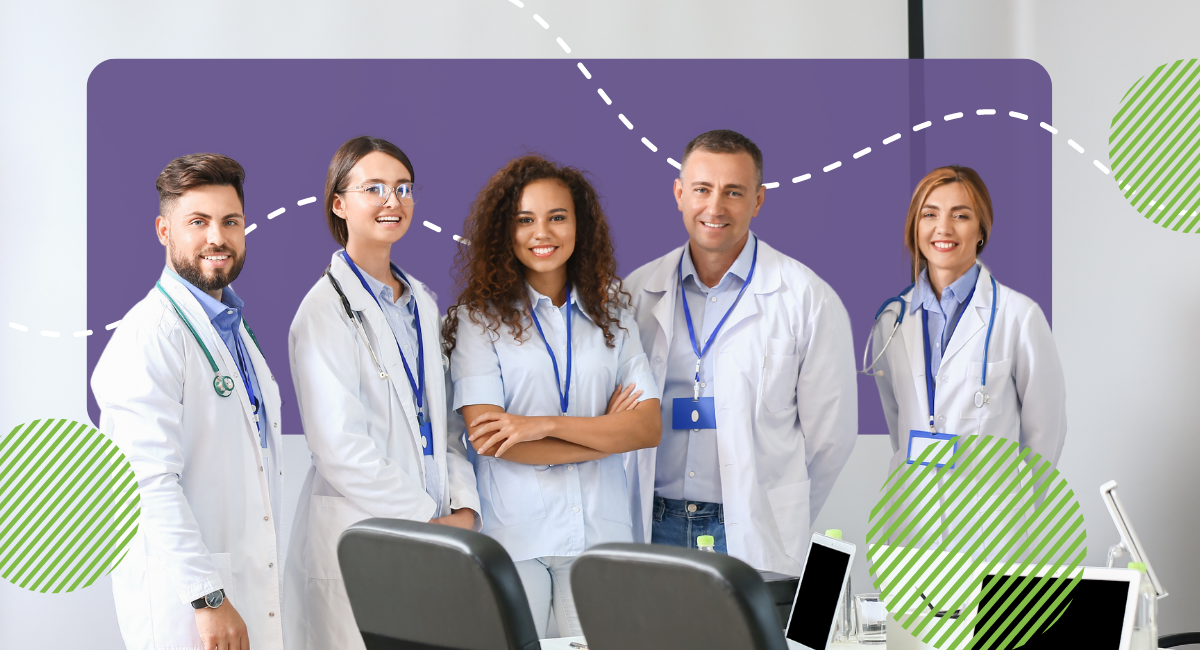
{"type": "Point", "coordinates": [379, 193]}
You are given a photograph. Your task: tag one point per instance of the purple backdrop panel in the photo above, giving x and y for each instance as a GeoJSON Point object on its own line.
{"type": "Point", "coordinates": [460, 120]}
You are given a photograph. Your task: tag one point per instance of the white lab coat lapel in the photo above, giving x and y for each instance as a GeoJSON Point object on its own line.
{"type": "Point", "coordinates": [434, 383]}
{"type": "Point", "coordinates": [766, 280]}
{"type": "Point", "coordinates": [974, 317]}
{"type": "Point", "coordinates": [914, 343]}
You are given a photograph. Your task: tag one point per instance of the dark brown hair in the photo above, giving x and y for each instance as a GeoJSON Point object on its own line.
{"type": "Point", "coordinates": [197, 170]}
{"type": "Point", "coordinates": [344, 160]}
{"type": "Point", "coordinates": [943, 176]}
{"type": "Point", "coordinates": [724, 141]}
{"type": "Point", "coordinates": [490, 278]}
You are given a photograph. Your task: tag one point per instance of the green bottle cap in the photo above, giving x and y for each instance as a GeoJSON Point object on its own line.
{"type": "Point", "coordinates": [834, 533]}
{"type": "Point", "coordinates": [706, 540]}
{"type": "Point", "coordinates": [1140, 566]}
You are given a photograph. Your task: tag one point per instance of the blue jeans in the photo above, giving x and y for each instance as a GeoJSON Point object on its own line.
{"type": "Point", "coordinates": [679, 523]}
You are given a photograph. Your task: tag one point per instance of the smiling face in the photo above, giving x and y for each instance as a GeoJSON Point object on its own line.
{"type": "Point", "coordinates": [205, 235]}
{"type": "Point", "coordinates": [718, 194]}
{"type": "Point", "coordinates": [948, 230]}
{"type": "Point", "coordinates": [544, 235]}
{"type": "Point", "coordinates": [368, 223]}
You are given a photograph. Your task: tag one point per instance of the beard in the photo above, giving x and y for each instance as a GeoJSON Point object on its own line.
{"type": "Point", "coordinates": [188, 268]}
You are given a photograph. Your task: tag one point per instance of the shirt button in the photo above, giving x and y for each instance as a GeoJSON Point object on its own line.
{"type": "Point", "coordinates": [576, 508]}
{"type": "Point", "coordinates": [703, 385]}
{"type": "Point", "coordinates": [941, 417]}
{"type": "Point", "coordinates": [570, 467]}
{"type": "Point", "coordinates": [714, 298]}
{"type": "Point", "coordinates": [691, 507]}
{"type": "Point", "coordinates": [229, 311]}
{"type": "Point", "coordinates": [691, 474]}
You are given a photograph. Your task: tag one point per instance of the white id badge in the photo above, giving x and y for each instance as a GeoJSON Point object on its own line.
{"type": "Point", "coordinates": [919, 441]}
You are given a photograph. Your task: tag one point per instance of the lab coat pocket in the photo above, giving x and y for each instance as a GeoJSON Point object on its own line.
{"type": "Point", "coordinates": [174, 622]}
{"type": "Point", "coordinates": [513, 493]}
{"type": "Point", "coordinates": [999, 382]}
{"type": "Point", "coordinates": [614, 489]}
{"type": "Point", "coordinates": [327, 518]}
{"type": "Point", "coordinates": [789, 506]}
{"type": "Point", "coordinates": [781, 371]}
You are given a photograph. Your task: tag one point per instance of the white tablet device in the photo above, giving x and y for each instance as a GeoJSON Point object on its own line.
{"type": "Point", "coordinates": [815, 608]}
{"type": "Point", "coordinates": [1099, 615]}
{"type": "Point", "coordinates": [1129, 538]}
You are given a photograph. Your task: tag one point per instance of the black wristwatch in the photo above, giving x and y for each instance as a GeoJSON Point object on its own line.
{"type": "Point", "coordinates": [211, 601]}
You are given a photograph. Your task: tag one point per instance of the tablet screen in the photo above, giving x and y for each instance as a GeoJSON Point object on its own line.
{"type": "Point", "coordinates": [817, 599]}
{"type": "Point", "coordinates": [1092, 620]}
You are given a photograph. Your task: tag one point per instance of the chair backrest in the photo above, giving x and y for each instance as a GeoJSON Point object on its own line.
{"type": "Point", "coordinates": [1177, 640]}
{"type": "Point", "coordinates": [634, 596]}
{"type": "Point", "coordinates": [415, 585]}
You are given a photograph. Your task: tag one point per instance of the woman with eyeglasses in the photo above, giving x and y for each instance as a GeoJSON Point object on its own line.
{"type": "Point", "coordinates": [370, 383]}
{"type": "Point", "coordinates": [550, 375]}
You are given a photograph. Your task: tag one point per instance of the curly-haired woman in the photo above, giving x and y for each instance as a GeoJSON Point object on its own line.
{"type": "Point", "coordinates": [539, 338]}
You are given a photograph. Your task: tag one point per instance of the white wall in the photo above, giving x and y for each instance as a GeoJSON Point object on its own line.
{"type": "Point", "coordinates": [1093, 51]}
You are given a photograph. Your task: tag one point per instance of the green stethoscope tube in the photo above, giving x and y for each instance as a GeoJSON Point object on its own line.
{"type": "Point", "coordinates": [222, 384]}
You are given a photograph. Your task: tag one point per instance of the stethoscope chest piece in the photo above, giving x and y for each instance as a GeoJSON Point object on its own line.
{"type": "Point", "coordinates": [223, 384]}
{"type": "Point", "coordinates": [981, 398]}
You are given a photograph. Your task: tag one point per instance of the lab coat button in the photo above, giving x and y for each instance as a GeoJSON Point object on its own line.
{"type": "Point", "coordinates": [657, 359]}
{"type": "Point", "coordinates": [941, 418]}
{"type": "Point", "coordinates": [691, 507]}
{"type": "Point", "coordinates": [271, 614]}
{"type": "Point", "coordinates": [270, 565]}
{"type": "Point", "coordinates": [266, 519]}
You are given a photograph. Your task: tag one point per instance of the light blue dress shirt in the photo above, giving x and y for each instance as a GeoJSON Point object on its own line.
{"type": "Point", "coordinates": [687, 465]}
{"type": "Point", "coordinates": [943, 314]}
{"type": "Point", "coordinates": [226, 317]}
{"type": "Point", "coordinates": [400, 318]}
{"type": "Point", "coordinates": [550, 510]}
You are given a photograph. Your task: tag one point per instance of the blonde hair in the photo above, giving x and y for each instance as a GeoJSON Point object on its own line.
{"type": "Point", "coordinates": [944, 176]}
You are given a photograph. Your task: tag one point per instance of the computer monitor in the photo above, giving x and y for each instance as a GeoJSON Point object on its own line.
{"type": "Point", "coordinates": [814, 611]}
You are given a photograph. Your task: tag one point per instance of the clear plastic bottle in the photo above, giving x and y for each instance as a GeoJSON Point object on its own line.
{"type": "Point", "coordinates": [845, 623]}
{"type": "Point", "coordinates": [1145, 623]}
{"type": "Point", "coordinates": [706, 543]}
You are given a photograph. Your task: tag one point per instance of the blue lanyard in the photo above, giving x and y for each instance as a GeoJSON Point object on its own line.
{"type": "Point", "coordinates": [687, 313]}
{"type": "Point", "coordinates": [238, 346]}
{"type": "Point", "coordinates": [564, 391]}
{"type": "Point", "coordinates": [417, 387]}
{"type": "Point", "coordinates": [930, 387]}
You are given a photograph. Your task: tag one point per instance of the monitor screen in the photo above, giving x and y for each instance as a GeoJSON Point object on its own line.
{"type": "Point", "coordinates": [817, 598]}
{"type": "Point", "coordinates": [1092, 618]}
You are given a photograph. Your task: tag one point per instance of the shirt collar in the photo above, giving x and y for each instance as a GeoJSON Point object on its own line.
{"type": "Point", "coordinates": [384, 293]}
{"type": "Point", "coordinates": [958, 290]}
{"type": "Point", "coordinates": [212, 307]}
{"type": "Point", "coordinates": [536, 299]}
{"type": "Point", "coordinates": [739, 269]}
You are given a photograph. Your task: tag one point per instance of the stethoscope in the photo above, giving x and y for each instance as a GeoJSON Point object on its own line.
{"type": "Point", "coordinates": [222, 384]}
{"type": "Point", "coordinates": [356, 318]}
{"type": "Point", "coordinates": [981, 396]}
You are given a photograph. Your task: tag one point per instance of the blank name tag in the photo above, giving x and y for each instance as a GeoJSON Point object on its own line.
{"type": "Point", "coordinates": [686, 414]}
{"type": "Point", "coordinates": [945, 446]}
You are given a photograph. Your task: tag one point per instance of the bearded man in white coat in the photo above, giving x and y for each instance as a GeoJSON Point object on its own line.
{"type": "Point", "coordinates": [184, 391]}
{"type": "Point", "coordinates": [754, 352]}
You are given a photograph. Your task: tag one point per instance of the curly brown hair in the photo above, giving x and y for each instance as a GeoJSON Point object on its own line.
{"type": "Point", "coordinates": [490, 278]}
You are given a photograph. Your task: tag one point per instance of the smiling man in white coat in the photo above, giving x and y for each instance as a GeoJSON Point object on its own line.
{"type": "Point", "coordinates": [755, 356]}
{"type": "Point", "coordinates": [184, 391]}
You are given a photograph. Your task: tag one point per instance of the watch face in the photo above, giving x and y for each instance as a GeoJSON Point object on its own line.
{"type": "Point", "coordinates": [215, 599]}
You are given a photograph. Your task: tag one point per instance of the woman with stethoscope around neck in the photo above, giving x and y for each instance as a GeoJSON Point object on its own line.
{"type": "Point", "coordinates": [550, 375]}
{"type": "Point", "coordinates": [957, 352]}
{"type": "Point", "coordinates": [370, 383]}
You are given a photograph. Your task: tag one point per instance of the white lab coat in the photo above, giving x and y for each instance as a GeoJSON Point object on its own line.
{"type": "Point", "coordinates": [1027, 398]}
{"type": "Point", "coordinates": [366, 446]}
{"type": "Point", "coordinates": [787, 408]}
{"type": "Point", "coordinates": [208, 519]}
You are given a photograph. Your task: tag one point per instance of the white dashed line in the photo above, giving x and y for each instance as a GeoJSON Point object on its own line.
{"type": "Point", "coordinates": [1049, 128]}
{"type": "Point", "coordinates": [952, 116]}
{"type": "Point", "coordinates": [832, 167]}
{"type": "Point", "coordinates": [541, 21]}
{"type": "Point", "coordinates": [563, 43]}
{"type": "Point", "coordinates": [250, 228]}
{"type": "Point", "coordinates": [520, 5]}
{"type": "Point", "coordinates": [675, 163]}
{"type": "Point", "coordinates": [862, 153]}
{"type": "Point", "coordinates": [604, 96]}
{"type": "Point", "coordinates": [276, 213]}
{"type": "Point", "coordinates": [1101, 167]}
{"type": "Point", "coordinates": [1019, 116]}
{"type": "Point", "coordinates": [311, 199]}
{"type": "Point", "coordinates": [586, 74]}
{"type": "Point", "coordinates": [433, 227]}
{"type": "Point", "coordinates": [800, 179]}
{"type": "Point", "coordinates": [49, 334]}
{"type": "Point", "coordinates": [625, 121]}
{"type": "Point", "coordinates": [649, 144]}
{"type": "Point", "coordinates": [112, 326]}
{"type": "Point", "coordinates": [770, 186]}
{"type": "Point", "coordinates": [1075, 145]}
{"type": "Point", "coordinates": [83, 333]}
{"type": "Point", "coordinates": [986, 111]}
{"type": "Point", "coordinates": [462, 240]}
{"type": "Point", "coordinates": [923, 125]}
{"type": "Point", "coordinates": [891, 139]}
{"type": "Point", "coordinates": [19, 327]}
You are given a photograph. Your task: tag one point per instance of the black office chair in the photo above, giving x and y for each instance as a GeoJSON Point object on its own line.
{"type": "Point", "coordinates": [1176, 640]}
{"type": "Point", "coordinates": [419, 586]}
{"type": "Point", "coordinates": [635, 596]}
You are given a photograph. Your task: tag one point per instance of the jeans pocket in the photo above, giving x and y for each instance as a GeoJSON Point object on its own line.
{"type": "Point", "coordinates": [660, 508]}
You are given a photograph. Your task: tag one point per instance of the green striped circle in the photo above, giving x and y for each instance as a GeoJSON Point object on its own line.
{"type": "Point", "coordinates": [68, 505]}
{"type": "Point", "coordinates": [937, 533]}
{"type": "Point", "coordinates": [1154, 146]}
